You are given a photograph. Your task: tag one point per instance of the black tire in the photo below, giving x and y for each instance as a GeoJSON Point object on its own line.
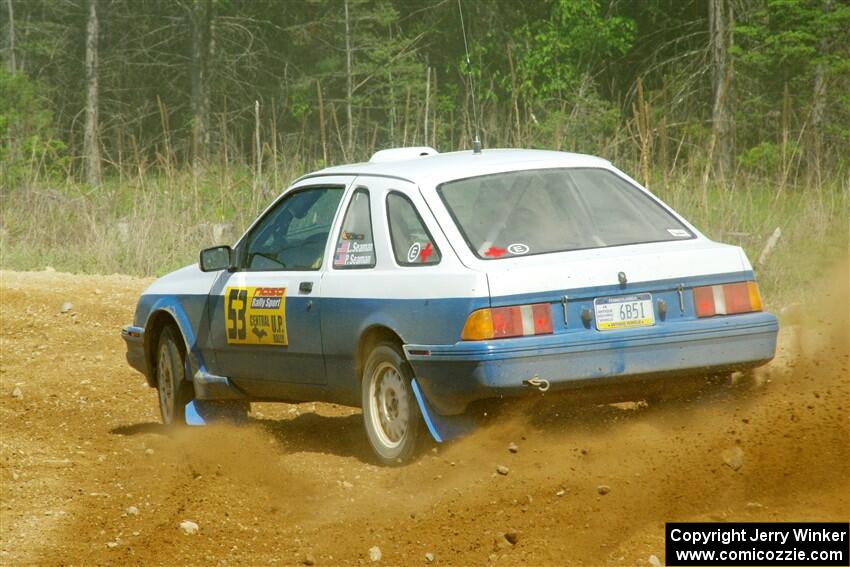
{"type": "Point", "coordinates": [390, 412]}
{"type": "Point", "coordinates": [173, 387]}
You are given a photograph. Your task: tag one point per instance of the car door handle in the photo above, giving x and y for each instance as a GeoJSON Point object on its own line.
{"type": "Point", "coordinates": [306, 287]}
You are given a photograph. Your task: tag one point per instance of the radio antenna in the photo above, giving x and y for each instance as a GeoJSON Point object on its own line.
{"type": "Point", "coordinates": [476, 141]}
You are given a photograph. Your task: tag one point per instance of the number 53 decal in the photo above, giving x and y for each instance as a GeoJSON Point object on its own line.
{"type": "Point", "coordinates": [255, 315]}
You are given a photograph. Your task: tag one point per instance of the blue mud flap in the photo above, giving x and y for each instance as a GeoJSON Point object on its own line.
{"type": "Point", "coordinates": [202, 412]}
{"type": "Point", "coordinates": [442, 428]}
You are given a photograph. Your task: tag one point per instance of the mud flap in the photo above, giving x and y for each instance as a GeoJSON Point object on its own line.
{"type": "Point", "coordinates": [203, 412]}
{"type": "Point", "coordinates": [442, 428]}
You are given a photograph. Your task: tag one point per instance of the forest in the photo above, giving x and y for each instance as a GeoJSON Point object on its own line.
{"type": "Point", "coordinates": [136, 131]}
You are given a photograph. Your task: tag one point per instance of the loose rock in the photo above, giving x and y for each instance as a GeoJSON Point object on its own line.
{"type": "Point", "coordinates": [429, 557]}
{"type": "Point", "coordinates": [309, 559]}
{"type": "Point", "coordinates": [654, 561]}
{"type": "Point", "coordinates": [512, 537]}
{"type": "Point", "coordinates": [67, 306]}
{"type": "Point", "coordinates": [502, 470]}
{"type": "Point", "coordinates": [733, 457]}
{"type": "Point", "coordinates": [132, 511]}
{"type": "Point", "coordinates": [188, 527]}
{"type": "Point", "coordinates": [375, 553]}
{"type": "Point", "coordinates": [17, 393]}
{"type": "Point", "coordinates": [513, 448]}
{"type": "Point", "coordinates": [603, 489]}
{"type": "Point", "coordinates": [148, 451]}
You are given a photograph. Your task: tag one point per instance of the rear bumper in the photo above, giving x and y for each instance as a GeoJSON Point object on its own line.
{"type": "Point", "coordinates": [452, 376]}
{"type": "Point", "coordinates": [134, 337]}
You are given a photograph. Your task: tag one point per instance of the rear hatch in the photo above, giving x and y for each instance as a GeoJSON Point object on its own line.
{"type": "Point", "coordinates": [603, 252]}
{"type": "Point", "coordinates": [616, 287]}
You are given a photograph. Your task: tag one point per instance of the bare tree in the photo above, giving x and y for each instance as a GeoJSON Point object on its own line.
{"type": "Point", "coordinates": [200, 17]}
{"type": "Point", "coordinates": [349, 91]}
{"type": "Point", "coordinates": [720, 21]}
{"type": "Point", "coordinates": [12, 64]}
{"type": "Point", "coordinates": [818, 101]}
{"type": "Point", "coordinates": [91, 143]}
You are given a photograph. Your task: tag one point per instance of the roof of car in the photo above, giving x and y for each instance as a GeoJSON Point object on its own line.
{"type": "Point", "coordinates": [457, 165]}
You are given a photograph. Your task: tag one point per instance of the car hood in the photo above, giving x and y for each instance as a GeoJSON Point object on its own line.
{"type": "Point", "coordinates": [189, 280]}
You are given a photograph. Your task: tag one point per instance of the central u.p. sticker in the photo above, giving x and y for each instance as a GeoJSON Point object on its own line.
{"type": "Point", "coordinates": [255, 315]}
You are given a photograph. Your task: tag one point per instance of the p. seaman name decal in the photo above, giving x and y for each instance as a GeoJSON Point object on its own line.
{"type": "Point", "coordinates": [255, 315]}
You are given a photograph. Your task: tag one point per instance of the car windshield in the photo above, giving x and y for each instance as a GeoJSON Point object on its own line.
{"type": "Point", "coordinates": [555, 210]}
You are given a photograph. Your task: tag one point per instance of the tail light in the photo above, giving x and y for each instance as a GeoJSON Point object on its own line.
{"type": "Point", "coordinates": [727, 299]}
{"type": "Point", "coordinates": [506, 322]}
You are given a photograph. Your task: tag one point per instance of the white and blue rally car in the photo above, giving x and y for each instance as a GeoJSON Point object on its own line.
{"type": "Point", "coordinates": [418, 283]}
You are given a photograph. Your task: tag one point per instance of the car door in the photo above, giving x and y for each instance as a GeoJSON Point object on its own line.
{"type": "Point", "coordinates": [265, 316]}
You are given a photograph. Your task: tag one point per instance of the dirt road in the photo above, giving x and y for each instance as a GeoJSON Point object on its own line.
{"type": "Point", "coordinates": [89, 476]}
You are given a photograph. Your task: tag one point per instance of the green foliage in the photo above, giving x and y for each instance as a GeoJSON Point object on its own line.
{"type": "Point", "coordinates": [791, 45]}
{"type": "Point", "coordinates": [548, 73]}
{"type": "Point", "coordinates": [784, 40]}
{"type": "Point", "coordinates": [28, 147]}
{"type": "Point", "coordinates": [559, 50]}
{"type": "Point", "coordinates": [763, 158]}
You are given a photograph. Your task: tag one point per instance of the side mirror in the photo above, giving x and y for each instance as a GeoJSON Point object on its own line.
{"type": "Point", "coordinates": [216, 258]}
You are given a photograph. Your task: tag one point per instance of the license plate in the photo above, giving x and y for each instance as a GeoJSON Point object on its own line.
{"type": "Point", "coordinates": [624, 312]}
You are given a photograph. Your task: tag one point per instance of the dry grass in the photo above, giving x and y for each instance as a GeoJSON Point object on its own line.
{"type": "Point", "coordinates": [152, 224]}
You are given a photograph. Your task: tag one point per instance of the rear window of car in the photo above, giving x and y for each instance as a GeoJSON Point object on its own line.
{"type": "Point", "coordinates": [555, 210]}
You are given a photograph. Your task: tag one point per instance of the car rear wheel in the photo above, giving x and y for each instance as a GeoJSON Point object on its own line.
{"type": "Point", "coordinates": [390, 413]}
{"type": "Point", "coordinates": [174, 390]}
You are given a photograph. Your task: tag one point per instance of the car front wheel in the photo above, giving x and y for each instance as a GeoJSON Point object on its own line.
{"type": "Point", "coordinates": [390, 412]}
{"type": "Point", "coordinates": [174, 391]}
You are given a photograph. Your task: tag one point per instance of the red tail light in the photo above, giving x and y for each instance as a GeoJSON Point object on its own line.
{"type": "Point", "coordinates": [727, 299]}
{"type": "Point", "coordinates": [505, 322]}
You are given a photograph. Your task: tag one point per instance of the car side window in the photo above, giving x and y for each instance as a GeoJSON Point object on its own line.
{"type": "Point", "coordinates": [355, 247]}
{"type": "Point", "coordinates": [412, 243]}
{"type": "Point", "coordinates": [293, 235]}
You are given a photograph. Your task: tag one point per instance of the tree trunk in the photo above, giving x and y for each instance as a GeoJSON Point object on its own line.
{"type": "Point", "coordinates": [322, 129]}
{"type": "Point", "coordinates": [200, 16]}
{"type": "Point", "coordinates": [721, 19]}
{"type": "Point", "coordinates": [818, 102]}
{"type": "Point", "coordinates": [91, 145]}
{"type": "Point", "coordinates": [349, 78]}
{"type": "Point", "coordinates": [12, 64]}
{"type": "Point", "coordinates": [427, 102]}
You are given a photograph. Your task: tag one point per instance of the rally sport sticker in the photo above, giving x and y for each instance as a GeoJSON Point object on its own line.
{"type": "Point", "coordinates": [255, 315]}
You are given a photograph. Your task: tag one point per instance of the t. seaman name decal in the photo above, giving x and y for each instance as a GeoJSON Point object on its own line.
{"type": "Point", "coordinates": [255, 315]}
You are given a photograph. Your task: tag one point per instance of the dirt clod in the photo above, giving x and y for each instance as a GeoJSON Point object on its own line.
{"type": "Point", "coordinates": [188, 527]}
{"type": "Point", "coordinates": [733, 457]}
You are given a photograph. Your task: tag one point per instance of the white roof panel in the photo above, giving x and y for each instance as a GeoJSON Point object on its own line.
{"type": "Point", "coordinates": [435, 169]}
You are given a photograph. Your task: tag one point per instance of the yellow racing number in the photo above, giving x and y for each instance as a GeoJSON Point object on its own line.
{"type": "Point", "coordinates": [255, 315]}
